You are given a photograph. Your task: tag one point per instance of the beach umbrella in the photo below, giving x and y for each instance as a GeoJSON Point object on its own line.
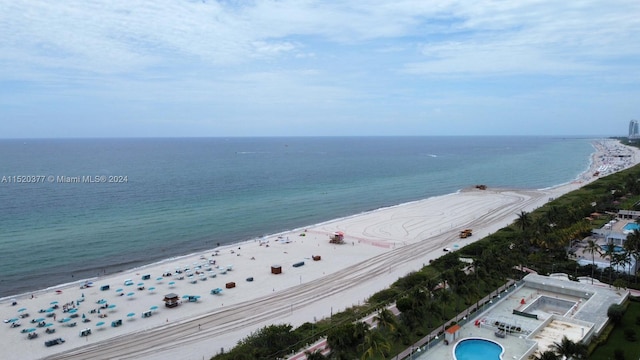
{"type": "Point", "coordinates": [112, 306]}
{"type": "Point", "coordinates": [12, 320]}
{"type": "Point", "coordinates": [53, 303]}
{"type": "Point", "coordinates": [50, 310]}
{"type": "Point", "coordinates": [48, 324]}
{"type": "Point", "coordinates": [102, 301]}
{"type": "Point", "coordinates": [152, 288]}
{"type": "Point", "coordinates": [185, 296]}
{"type": "Point", "coordinates": [38, 320]}
{"type": "Point", "coordinates": [159, 278]}
{"type": "Point", "coordinates": [100, 323]}
{"type": "Point", "coordinates": [171, 283]}
{"type": "Point", "coordinates": [119, 290]}
{"type": "Point", "coordinates": [22, 309]}
{"type": "Point", "coordinates": [30, 330]}
{"type": "Point", "coordinates": [73, 311]}
{"type": "Point", "coordinates": [140, 284]}
{"type": "Point", "coordinates": [131, 314]}
{"type": "Point", "coordinates": [131, 294]}
{"type": "Point", "coordinates": [153, 308]}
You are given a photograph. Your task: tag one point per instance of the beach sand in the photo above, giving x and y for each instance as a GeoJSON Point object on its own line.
{"type": "Point", "coordinates": [379, 247]}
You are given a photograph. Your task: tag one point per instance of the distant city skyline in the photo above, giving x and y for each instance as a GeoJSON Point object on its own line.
{"type": "Point", "coordinates": [130, 68]}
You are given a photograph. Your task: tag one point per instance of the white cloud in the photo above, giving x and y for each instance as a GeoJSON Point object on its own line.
{"type": "Point", "coordinates": [309, 59]}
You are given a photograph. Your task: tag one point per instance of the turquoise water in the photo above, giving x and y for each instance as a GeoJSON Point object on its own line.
{"type": "Point", "coordinates": [616, 248]}
{"type": "Point", "coordinates": [632, 227]}
{"type": "Point", "coordinates": [478, 349]}
{"type": "Point", "coordinates": [187, 195]}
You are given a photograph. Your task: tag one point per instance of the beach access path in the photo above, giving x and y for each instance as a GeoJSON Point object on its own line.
{"type": "Point", "coordinates": [380, 247]}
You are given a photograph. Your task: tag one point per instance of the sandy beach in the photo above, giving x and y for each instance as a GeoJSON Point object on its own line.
{"type": "Point", "coordinates": [379, 247]}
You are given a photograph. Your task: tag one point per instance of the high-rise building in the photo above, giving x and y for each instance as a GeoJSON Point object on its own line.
{"type": "Point", "coordinates": [634, 130]}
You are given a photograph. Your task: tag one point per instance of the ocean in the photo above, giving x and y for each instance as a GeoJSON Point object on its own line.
{"type": "Point", "coordinates": [72, 209]}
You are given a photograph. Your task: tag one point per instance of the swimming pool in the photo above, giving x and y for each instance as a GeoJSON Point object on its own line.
{"type": "Point", "coordinates": [477, 349]}
{"type": "Point", "coordinates": [631, 227]}
{"type": "Point", "coordinates": [616, 248]}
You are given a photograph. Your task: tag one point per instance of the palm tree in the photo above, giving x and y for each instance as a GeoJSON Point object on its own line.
{"type": "Point", "coordinates": [564, 348]}
{"type": "Point", "coordinates": [632, 246]}
{"type": "Point", "coordinates": [523, 221]}
{"type": "Point", "coordinates": [592, 248]}
{"type": "Point", "coordinates": [386, 320]}
{"type": "Point", "coordinates": [374, 343]}
{"type": "Point", "coordinates": [316, 355]}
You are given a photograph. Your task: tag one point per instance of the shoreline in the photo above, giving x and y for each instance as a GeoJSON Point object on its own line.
{"type": "Point", "coordinates": [381, 246]}
{"type": "Point", "coordinates": [66, 277]}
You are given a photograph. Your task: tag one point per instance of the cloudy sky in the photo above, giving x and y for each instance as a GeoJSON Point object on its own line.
{"type": "Point", "coordinates": [302, 68]}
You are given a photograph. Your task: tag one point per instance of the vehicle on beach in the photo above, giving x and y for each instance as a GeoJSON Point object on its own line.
{"type": "Point", "coordinates": [53, 342]}
{"type": "Point", "coordinates": [466, 233]}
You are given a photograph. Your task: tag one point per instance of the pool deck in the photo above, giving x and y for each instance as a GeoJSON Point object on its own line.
{"type": "Point", "coordinates": [586, 319]}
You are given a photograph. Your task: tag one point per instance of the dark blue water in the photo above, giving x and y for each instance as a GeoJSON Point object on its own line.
{"type": "Point", "coordinates": [177, 196]}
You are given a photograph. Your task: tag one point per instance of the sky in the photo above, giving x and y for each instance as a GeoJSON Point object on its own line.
{"type": "Point", "coordinates": [182, 68]}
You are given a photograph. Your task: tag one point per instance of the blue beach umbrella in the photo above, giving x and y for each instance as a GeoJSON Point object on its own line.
{"type": "Point", "coordinates": [159, 278]}
{"type": "Point", "coordinates": [50, 310]}
{"type": "Point", "coordinates": [53, 303]}
{"type": "Point", "coordinates": [131, 314]}
{"type": "Point", "coordinates": [30, 330]}
{"type": "Point", "coordinates": [12, 320]}
{"type": "Point", "coordinates": [112, 306]}
{"type": "Point", "coordinates": [140, 284]}
{"type": "Point", "coordinates": [153, 308]}
{"type": "Point", "coordinates": [131, 294]}
{"type": "Point", "coordinates": [119, 290]}
{"type": "Point", "coordinates": [100, 323]}
{"type": "Point", "coordinates": [171, 283]}
{"type": "Point", "coordinates": [39, 319]}
{"type": "Point", "coordinates": [22, 309]}
{"type": "Point", "coordinates": [73, 311]}
{"type": "Point", "coordinates": [152, 288]}
{"type": "Point", "coordinates": [48, 324]}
